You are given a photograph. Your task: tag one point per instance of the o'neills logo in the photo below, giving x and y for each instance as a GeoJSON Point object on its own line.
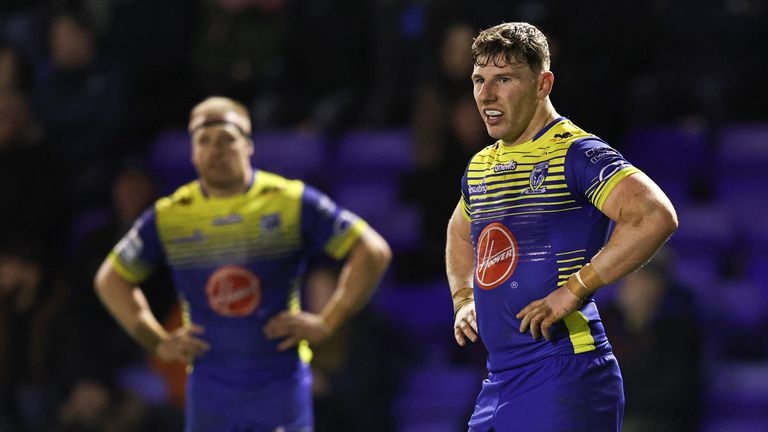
{"type": "Point", "coordinates": [497, 256]}
{"type": "Point", "coordinates": [509, 166]}
{"type": "Point", "coordinates": [233, 291]}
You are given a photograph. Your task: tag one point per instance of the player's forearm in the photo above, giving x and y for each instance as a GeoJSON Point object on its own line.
{"type": "Point", "coordinates": [129, 307]}
{"type": "Point", "coordinates": [459, 265]}
{"type": "Point", "coordinates": [634, 241]}
{"type": "Point", "coordinates": [359, 277]}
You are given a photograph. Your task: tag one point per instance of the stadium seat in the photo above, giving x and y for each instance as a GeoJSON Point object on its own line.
{"type": "Point", "coordinates": [293, 154]}
{"type": "Point", "coordinates": [374, 154]}
{"type": "Point", "coordinates": [378, 202]}
{"type": "Point", "coordinates": [742, 149]}
{"type": "Point", "coordinates": [668, 151]}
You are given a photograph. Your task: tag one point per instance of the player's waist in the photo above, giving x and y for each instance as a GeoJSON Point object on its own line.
{"type": "Point", "coordinates": [524, 350]}
{"type": "Point", "coordinates": [242, 365]}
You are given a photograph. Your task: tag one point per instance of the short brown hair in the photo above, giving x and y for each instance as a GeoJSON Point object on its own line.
{"type": "Point", "coordinates": [510, 43]}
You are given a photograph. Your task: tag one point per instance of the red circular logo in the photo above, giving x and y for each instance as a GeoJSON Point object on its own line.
{"type": "Point", "coordinates": [496, 256]}
{"type": "Point", "coordinates": [233, 291]}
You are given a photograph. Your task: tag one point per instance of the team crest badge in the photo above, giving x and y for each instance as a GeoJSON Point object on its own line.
{"type": "Point", "coordinates": [538, 175]}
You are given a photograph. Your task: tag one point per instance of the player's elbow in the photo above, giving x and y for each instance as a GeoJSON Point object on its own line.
{"type": "Point", "coordinates": [666, 221]}
{"type": "Point", "coordinates": [380, 254]}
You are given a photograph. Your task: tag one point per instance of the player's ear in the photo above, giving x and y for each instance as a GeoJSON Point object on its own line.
{"type": "Point", "coordinates": [546, 82]}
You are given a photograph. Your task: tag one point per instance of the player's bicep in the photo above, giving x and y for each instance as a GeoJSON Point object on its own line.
{"type": "Point", "coordinates": [458, 225]}
{"type": "Point", "coordinates": [633, 197]}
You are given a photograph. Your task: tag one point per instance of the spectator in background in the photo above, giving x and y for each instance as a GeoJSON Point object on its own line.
{"type": "Point", "coordinates": [99, 350]}
{"type": "Point", "coordinates": [652, 326]}
{"type": "Point", "coordinates": [438, 90]}
{"type": "Point", "coordinates": [447, 132]}
{"type": "Point", "coordinates": [30, 237]}
{"type": "Point", "coordinates": [15, 75]}
{"type": "Point", "coordinates": [239, 46]}
{"type": "Point", "coordinates": [81, 97]}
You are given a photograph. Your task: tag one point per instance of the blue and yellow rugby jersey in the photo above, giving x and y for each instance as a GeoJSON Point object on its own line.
{"type": "Point", "coordinates": [237, 261]}
{"type": "Point", "coordinates": [534, 211]}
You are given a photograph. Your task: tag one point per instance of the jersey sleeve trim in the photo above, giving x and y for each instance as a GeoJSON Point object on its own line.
{"type": "Point", "coordinates": [339, 246]}
{"type": "Point", "coordinates": [135, 275]}
{"type": "Point", "coordinates": [465, 209]}
{"type": "Point", "coordinates": [599, 199]}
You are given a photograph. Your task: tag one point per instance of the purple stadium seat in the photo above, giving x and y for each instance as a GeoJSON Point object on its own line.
{"type": "Point", "coordinates": [292, 154]}
{"type": "Point", "coordinates": [703, 228]}
{"type": "Point", "coordinates": [378, 203]}
{"type": "Point", "coordinates": [668, 151]}
{"type": "Point", "coordinates": [743, 149]}
{"type": "Point", "coordinates": [367, 154]}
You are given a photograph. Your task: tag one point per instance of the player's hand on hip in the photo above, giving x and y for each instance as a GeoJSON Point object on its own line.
{"type": "Point", "coordinates": [541, 314]}
{"type": "Point", "coordinates": [295, 327]}
{"type": "Point", "coordinates": [183, 344]}
{"type": "Point", "coordinates": [465, 324]}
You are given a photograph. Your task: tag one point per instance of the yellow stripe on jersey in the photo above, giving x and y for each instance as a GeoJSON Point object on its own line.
{"type": "Point", "coordinates": [569, 260]}
{"type": "Point", "coordinates": [579, 332]}
{"type": "Point", "coordinates": [294, 306]}
{"type": "Point", "coordinates": [570, 252]}
{"type": "Point", "coordinates": [599, 198]}
{"type": "Point", "coordinates": [564, 269]}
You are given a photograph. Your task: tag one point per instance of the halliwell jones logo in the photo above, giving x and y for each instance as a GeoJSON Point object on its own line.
{"type": "Point", "coordinates": [497, 255]}
{"type": "Point", "coordinates": [233, 291]}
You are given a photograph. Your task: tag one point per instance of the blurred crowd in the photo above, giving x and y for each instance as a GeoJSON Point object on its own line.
{"type": "Point", "coordinates": [88, 86]}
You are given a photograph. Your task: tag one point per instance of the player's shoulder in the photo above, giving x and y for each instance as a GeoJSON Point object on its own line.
{"type": "Point", "coordinates": [565, 134]}
{"type": "Point", "coordinates": [269, 183]}
{"type": "Point", "coordinates": [184, 196]}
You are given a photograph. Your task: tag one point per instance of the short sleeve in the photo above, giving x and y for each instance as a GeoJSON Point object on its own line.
{"type": "Point", "coordinates": [465, 205]}
{"type": "Point", "coordinates": [139, 252]}
{"type": "Point", "coordinates": [327, 227]}
{"type": "Point", "coordinates": [593, 169]}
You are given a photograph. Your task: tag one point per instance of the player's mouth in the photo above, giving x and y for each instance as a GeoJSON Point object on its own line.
{"type": "Point", "coordinates": [492, 117]}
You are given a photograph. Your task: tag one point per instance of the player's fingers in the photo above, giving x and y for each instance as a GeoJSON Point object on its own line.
{"type": "Point", "coordinates": [194, 329]}
{"type": "Point", "coordinates": [459, 336]}
{"type": "Point", "coordinates": [545, 326]}
{"type": "Point", "coordinates": [199, 345]}
{"type": "Point", "coordinates": [524, 312]}
{"type": "Point", "coordinates": [535, 326]}
{"type": "Point", "coordinates": [526, 319]}
{"type": "Point", "coordinates": [288, 343]}
{"type": "Point", "coordinates": [470, 332]}
{"type": "Point", "coordinates": [276, 327]}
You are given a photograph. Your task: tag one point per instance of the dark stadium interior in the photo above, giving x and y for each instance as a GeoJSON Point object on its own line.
{"type": "Point", "coordinates": [371, 102]}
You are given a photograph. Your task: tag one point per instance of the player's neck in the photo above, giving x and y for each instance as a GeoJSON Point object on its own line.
{"type": "Point", "coordinates": [544, 115]}
{"type": "Point", "coordinates": [229, 190]}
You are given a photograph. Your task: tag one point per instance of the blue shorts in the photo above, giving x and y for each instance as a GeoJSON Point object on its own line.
{"type": "Point", "coordinates": [573, 393]}
{"type": "Point", "coordinates": [231, 403]}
